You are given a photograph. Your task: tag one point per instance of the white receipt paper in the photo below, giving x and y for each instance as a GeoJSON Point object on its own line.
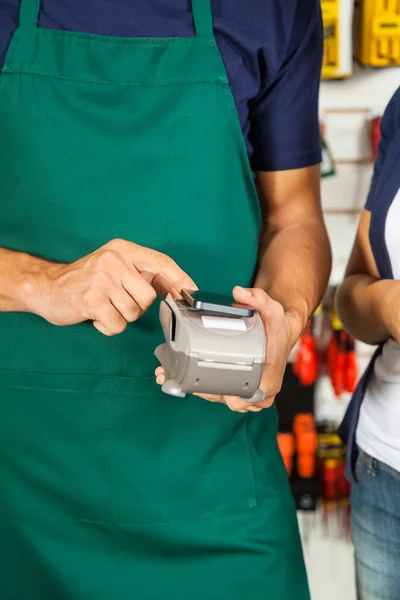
{"type": "Point", "coordinates": [223, 323]}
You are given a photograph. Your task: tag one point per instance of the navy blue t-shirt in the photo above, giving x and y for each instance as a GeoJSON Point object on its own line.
{"type": "Point", "coordinates": [272, 50]}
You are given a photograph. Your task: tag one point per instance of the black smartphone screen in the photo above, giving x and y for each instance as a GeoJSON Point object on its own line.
{"type": "Point", "coordinates": [216, 303]}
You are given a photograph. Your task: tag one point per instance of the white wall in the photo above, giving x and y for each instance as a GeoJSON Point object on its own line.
{"type": "Point", "coordinates": [368, 87]}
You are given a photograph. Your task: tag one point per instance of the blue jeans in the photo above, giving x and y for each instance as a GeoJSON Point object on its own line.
{"type": "Point", "coordinates": [375, 509]}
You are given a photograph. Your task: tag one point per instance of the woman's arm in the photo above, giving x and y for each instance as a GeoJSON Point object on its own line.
{"type": "Point", "coordinates": [368, 306]}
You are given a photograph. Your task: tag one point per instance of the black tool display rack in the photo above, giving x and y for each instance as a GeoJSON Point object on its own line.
{"type": "Point", "coordinates": [294, 399]}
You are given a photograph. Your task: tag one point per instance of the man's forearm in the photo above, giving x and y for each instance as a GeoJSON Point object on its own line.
{"type": "Point", "coordinates": [17, 273]}
{"type": "Point", "coordinates": [294, 268]}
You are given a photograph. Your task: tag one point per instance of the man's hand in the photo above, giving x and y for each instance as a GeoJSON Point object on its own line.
{"type": "Point", "coordinates": [112, 287]}
{"type": "Point", "coordinates": [281, 332]}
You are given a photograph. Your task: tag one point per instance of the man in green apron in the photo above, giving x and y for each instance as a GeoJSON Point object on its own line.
{"type": "Point", "coordinates": [125, 175]}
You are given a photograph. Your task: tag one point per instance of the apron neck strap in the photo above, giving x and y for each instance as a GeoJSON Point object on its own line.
{"type": "Point", "coordinates": [202, 16]}
{"type": "Point", "coordinates": [29, 14]}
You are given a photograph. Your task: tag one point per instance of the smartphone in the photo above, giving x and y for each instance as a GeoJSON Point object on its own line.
{"type": "Point", "coordinates": [216, 303]}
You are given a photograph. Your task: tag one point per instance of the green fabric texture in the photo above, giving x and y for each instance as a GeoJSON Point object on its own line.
{"type": "Point", "coordinates": [110, 489]}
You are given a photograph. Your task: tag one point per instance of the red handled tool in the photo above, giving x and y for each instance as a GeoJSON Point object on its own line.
{"type": "Point", "coordinates": [305, 365]}
{"type": "Point", "coordinates": [375, 136]}
{"type": "Point", "coordinates": [351, 375]}
{"type": "Point", "coordinates": [330, 480]}
{"type": "Point", "coordinates": [342, 360]}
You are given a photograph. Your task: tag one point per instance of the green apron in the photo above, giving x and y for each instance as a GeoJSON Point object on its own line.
{"type": "Point", "coordinates": [110, 489]}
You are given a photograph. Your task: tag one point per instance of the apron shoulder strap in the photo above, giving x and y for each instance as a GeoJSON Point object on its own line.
{"type": "Point", "coordinates": [29, 13]}
{"type": "Point", "coordinates": [202, 16]}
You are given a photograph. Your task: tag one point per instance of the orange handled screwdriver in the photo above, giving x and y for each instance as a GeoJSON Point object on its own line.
{"type": "Point", "coordinates": [286, 447]}
{"type": "Point", "coordinates": [306, 444]}
{"type": "Point", "coordinates": [303, 422]}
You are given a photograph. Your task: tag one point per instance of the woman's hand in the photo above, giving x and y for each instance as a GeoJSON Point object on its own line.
{"type": "Point", "coordinates": [113, 286]}
{"type": "Point", "coordinates": [279, 328]}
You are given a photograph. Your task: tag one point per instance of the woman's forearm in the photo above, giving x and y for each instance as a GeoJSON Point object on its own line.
{"type": "Point", "coordinates": [364, 305]}
{"type": "Point", "coordinates": [18, 272]}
